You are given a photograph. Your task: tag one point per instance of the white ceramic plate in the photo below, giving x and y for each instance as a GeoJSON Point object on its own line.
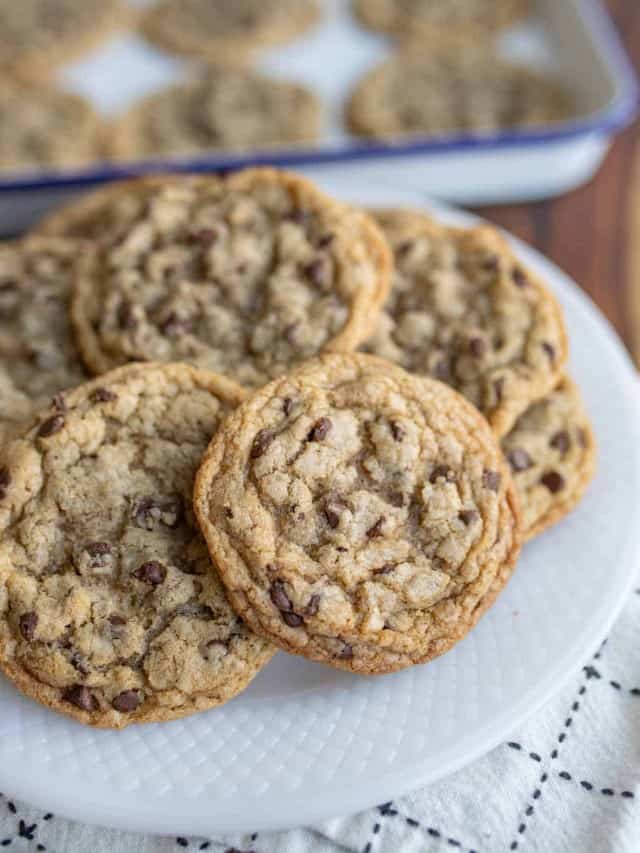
{"type": "Point", "coordinates": [305, 742]}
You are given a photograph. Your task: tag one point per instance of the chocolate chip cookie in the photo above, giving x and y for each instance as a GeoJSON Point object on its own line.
{"type": "Point", "coordinates": [38, 357]}
{"type": "Point", "coordinates": [359, 516]}
{"type": "Point", "coordinates": [433, 22]}
{"type": "Point", "coordinates": [417, 94]}
{"type": "Point", "coordinates": [246, 275]}
{"type": "Point", "coordinates": [464, 310]}
{"type": "Point", "coordinates": [233, 109]}
{"type": "Point", "coordinates": [38, 35]}
{"type": "Point", "coordinates": [112, 611]}
{"type": "Point", "coordinates": [551, 451]}
{"type": "Point", "coordinates": [227, 31]}
{"type": "Point", "coordinates": [44, 127]}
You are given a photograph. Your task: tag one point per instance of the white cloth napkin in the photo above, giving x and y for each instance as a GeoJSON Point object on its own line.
{"type": "Point", "coordinates": [566, 782]}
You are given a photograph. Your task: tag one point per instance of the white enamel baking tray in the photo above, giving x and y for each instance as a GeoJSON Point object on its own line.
{"type": "Point", "coordinates": [574, 38]}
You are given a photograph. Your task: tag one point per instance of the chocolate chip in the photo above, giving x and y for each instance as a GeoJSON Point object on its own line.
{"type": "Point", "coordinates": [175, 325]}
{"type": "Point", "coordinates": [292, 619]}
{"type": "Point", "coordinates": [467, 516]}
{"type": "Point", "coordinates": [561, 441]}
{"type": "Point", "coordinates": [5, 482]}
{"type": "Point", "coordinates": [28, 625]}
{"type": "Point", "coordinates": [346, 653]}
{"type": "Point", "coordinates": [491, 263]}
{"type": "Point", "coordinates": [81, 697]}
{"type": "Point", "coordinates": [477, 347]}
{"type": "Point", "coordinates": [149, 511]}
{"type": "Point", "coordinates": [279, 596]}
{"type": "Point", "coordinates": [103, 395]}
{"type": "Point", "coordinates": [519, 459]}
{"type": "Point", "coordinates": [152, 572]}
{"type": "Point", "coordinates": [290, 333]}
{"type": "Point", "coordinates": [260, 443]}
{"type": "Point", "coordinates": [498, 388]}
{"type": "Point", "coordinates": [319, 271]}
{"type": "Point", "coordinates": [491, 480]}
{"type": "Point", "coordinates": [404, 248]}
{"type": "Point", "coordinates": [553, 481]}
{"type": "Point", "coordinates": [397, 431]}
{"type": "Point", "coordinates": [385, 570]}
{"type": "Point", "coordinates": [126, 316]}
{"type": "Point", "coordinates": [375, 531]}
{"type": "Point", "coordinates": [59, 403]}
{"type": "Point", "coordinates": [228, 512]}
{"type": "Point", "coordinates": [313, 606]}
{"type": "Point", "coordinates": [51, 426]}
{"type": "Point", "coordinates": [127, 701]}
{"type": "Point", "coordinates": [117, 623]}
{"type": "Point", "coordinates": [287, 406]}
{"type": "Point", "coordinates": [549, 349]}
{"type": "Point", "coordinates": [442, 472]}
{"type": "Point", "coordinates": [519, 277]}
{"type": "Point", "coordinates": [205, 236]}
{"type": "Point", "coordinates": [396, 499]}
{"type": "Point", "coordinates": [320, 430]}
{"type": "Point", "coordinates": [332, 512]}
{"type": "Point", "coordinates": [99, 553]}
{"type": "Point", "coordinates": [325, 240]}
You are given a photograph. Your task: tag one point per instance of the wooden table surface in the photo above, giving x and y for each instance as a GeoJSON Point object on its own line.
{"type": "Point", "coordinates": [594, 232]}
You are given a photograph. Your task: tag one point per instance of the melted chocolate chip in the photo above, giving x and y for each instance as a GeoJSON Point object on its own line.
{"type": "Point", "coordinates": [103, 395]}
{"type": "Point", "coordinates": [99, 553]}
{"type": "Point", "coordinates": [332, 510]}
{"type": "Point", "coordinates": [319, 271]}
{"type": "Point", "coordinates": [292, 619]}
{"type": "Point", "coordinates": [152, 572]}
{"type": "Point", "coordinates": [279, 597]}
{"type": "Point", "coordinates": [28, 625]}
{"type": "Point", "coordinates": [126, 317]}
{"type": "Point", "coordinates": [491, 263]}
{"type": "Point", "coordinates": [519, 459]}
{"type": "Point", "coordinates": [549, 349]}
{"type": "Point", "coordinates": [5, 482]}
{"type": "Point", "coordinates": [313, 605]}
{"type": "Point", "coordinates": [467, 516]}
{"type": "Point", "coordinates": [404, 248]}
{"type": "Point", "coordinates": [228, 512]}
{"type": "Point", "coordinates": [553, 481]}
{"type": "Point", "coordinates": [385, 570]}
{"type": "Point", "coordinates": [397, 431]}
{"type": "Point", "coordinates": [127, 701]}
{"type": "Point", "coordinates": [117, 623]}
{"type": "Point", "coordinates": [519, 277]}
{"type": "Point", "coordinates": [205, 236]}
{"type": "Point", "coordinates": [561, 441]}
{"type": "Point", "coordinates": [175, 325]}
{"type": "Point", "coordinates": [59, 403]}
{"type": "Point", "coordinates": [148, 512]}
{"type": "Point", "coordinates": [261, 442]}
{"type": "Point", "coordinates": [477, 347]}
{"type": "Point", "coordinates": [491, 480]}
{"type": "Point", "coordinates": [287, 406]}
{"type": "Point", "coordinates": [325, 241]}
{"type": "Point", "coordinates": [375, 531]}
{"type": "Point", "coordinates": [442, 472]}
{"type": "Point", "coordinates": [396, 499]}
{"type": "Point", "coordinates": [81, 697]}
{"type": "Point", "coordinates": [51, 426]}
{"type": "Point", "coordinates": [320, 430]}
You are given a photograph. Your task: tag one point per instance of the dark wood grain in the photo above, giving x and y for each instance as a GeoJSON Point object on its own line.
{"type": "Point", "coordinates": [592, 233]}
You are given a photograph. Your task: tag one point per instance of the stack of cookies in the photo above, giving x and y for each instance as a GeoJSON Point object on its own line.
{"type": "Point", "coordinates": [309, 428]}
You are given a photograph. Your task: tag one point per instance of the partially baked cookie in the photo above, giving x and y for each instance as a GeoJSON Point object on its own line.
{"type": "Point", "coordinates": [232, 109]}
{"type": "Point", "coordinates": [432, 22]}
{"type": "Point", "coordinates": [38, 35]}
{"type": "Point", "coordinates": [111, 610]}
{"type": "Point", "coordinates": [359, 516]}
{"type": "Point", "coordinates": [416, 94]}
{"type": "Point", "coordinates": [464, 310]}
{"type": "Point", "coordinates": [227, 31]}
{"type": "Point", "coordinates": [552, 453]}
{"type": "Point", "coordinates": [44, 127]}
{"type": "Point", "coordinates": [247, 275]}
{"type": "Point", "coordinates": [38, 357]}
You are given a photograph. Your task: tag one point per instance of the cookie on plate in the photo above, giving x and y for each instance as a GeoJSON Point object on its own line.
{"type": "Point", "coordinates": [45, 128]}
{"type": "Point", "coordinates": [38, 357]}
{"type": "Point", "coordinates": [464, 310]}
{"type": "Point", "coordinates": [227, 31]}
{"type": "Point", "coordinates": [112, 611]}
{"type": "Point", "coordinates": [230, 108]}
{"type": "Point", "coordinates": [431, 22]}
{"type": "Point", "coordinates": [359, 516]}
{"type": "Point", "coordinates": [247, 275]}
{"type": "Point", "coordinates": [38, 35]}
{"type": "Point", "coordinates": [415, 94]}
{"type": "Point", "coordinates": [552, 453]}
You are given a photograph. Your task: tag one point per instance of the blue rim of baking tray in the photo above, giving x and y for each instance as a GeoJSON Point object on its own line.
{"type": "Point", "coordinates": [615, 117]}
